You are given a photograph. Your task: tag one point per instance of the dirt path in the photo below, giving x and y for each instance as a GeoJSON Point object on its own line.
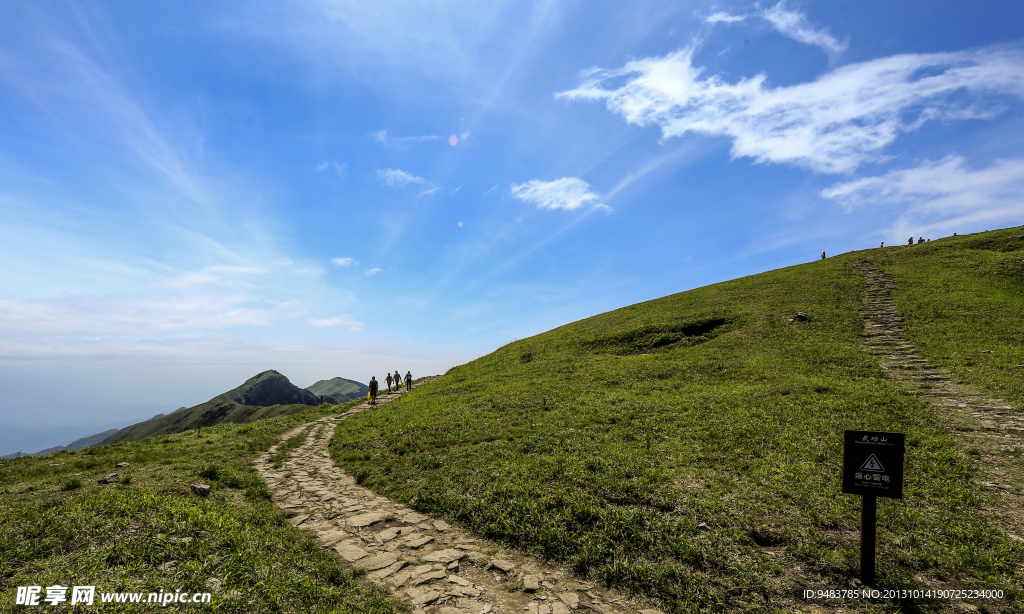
{"type": "Point", "coordinates": [989, 427]}
{"type": "Point", "coordinates": [430, 565]}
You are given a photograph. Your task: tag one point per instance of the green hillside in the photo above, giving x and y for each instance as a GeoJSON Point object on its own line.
{"type": "Point", "coordinates": [201, 416]}
{"type": "Point", "coordinates": [338, 389]}
{"type": "Point", "coordinates": [265, 395]}
{"type": "Point", "coordinates": [688, 448]}
{"type": "Point", "coordinates": [265, 389]}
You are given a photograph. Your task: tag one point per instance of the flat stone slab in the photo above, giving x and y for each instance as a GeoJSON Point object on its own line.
{"type": "Point", "coordinates": [441, 525]}
{"type": "Point", "coordinates": [459, 580]}
{"type": "Point", "coordinates": [558, 607]}
{"type": "Point", "coordinates": [503, 565]}
{"type": "Point", "coordinates": [350, 552]}
{"type": "Point", "coordinates": [416, 543]}
{"type": "Point", "coordinates": [414, 518]}
{"type": "Point", "coordinates": [365, 520]}
{"type": "Point", "coordinates": [378, 561]}
{"type": "Point", "coordinates": [389, 534]}
{"type": "Point", "coordinates": [390, 570]}
{"type": "Point", "coordinates": [329, 538]}
{"type": "Point", "coordinates": [427, 577]}
{"type": "Point", "coordinates": [570, 599]}
{"type": "Point", "coordinates": [445, 556]}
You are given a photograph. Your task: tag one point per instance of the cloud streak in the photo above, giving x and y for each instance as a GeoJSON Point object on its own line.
{"type": "Point", "coordinates": [568, 193]}
{"type": "Point", "coordinates": [338, 321]}
{"type": "Point", "coordinates": [795, 25]}
{"type": "Point", "coordinates": [834, 124]}
{"type": "Point", "coordinates": [342, 261]}
{"type": "Point", "coordinates": [940, 195]}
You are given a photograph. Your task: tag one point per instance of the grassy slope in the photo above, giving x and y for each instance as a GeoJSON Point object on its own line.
{"type": "Point", "coordinates": [339, 388]}
{"type": "Point", "coordinates": [962, 296]}
{"type": "Point", "coordinates": [70, 530]}
{"type": "Point", "coordinates": [202, 415]}
{"type": "Point", "coordinates": [574, 445]}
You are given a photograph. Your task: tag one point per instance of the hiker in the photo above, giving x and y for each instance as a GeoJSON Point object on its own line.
{"type": "Point", "coordinates": [910, 241]}
{"type": "Point", "coordinates": [373, 389]}
{"type": "Point", "coordinates": [822, 255]}
{"type": "Point", "coordinates": [388, 380]}
{"type": "Point", "coordinates": [398, 379]}
{"type": "Point", "coordinates": [408, 380]}
{"type": "Point", "coordinates": [920, 240]}
{"type": "Point", "coordinates": [883, 243]}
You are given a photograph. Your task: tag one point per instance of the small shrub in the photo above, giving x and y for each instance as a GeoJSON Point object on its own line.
{"type": "Point", "coordinates": [71, 484]}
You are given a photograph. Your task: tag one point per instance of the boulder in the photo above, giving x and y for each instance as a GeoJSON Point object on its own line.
{"type": "Point", "coordinates": [110, 478]}
{"type": "Point", "coordinates": [202, 490]}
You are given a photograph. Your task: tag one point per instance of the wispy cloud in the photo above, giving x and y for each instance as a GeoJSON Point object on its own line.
{"type": "Point", "coordinates": [795, 25]}
{"type": "Point", "coordinates": [567, 193]}
{"type": "Point", "coordinates": [373, 271]}
{"type": "Point", "coordinates": [941, 195]}
{"type": "Point", "coordinates": [831, 125]}
{"type": "Point", "coordinates": [381, 136]}
{"type": "Point", "coordinates": [723, 18]}
{"type": "Point", "coordinates": [399, 178]}
{"type": "Point", "coordinates": [342, 261]}
{"type": "Point", "coordinates": [338, 321]}
{"type": "Point", "coordinates": [492, 189]}
{"type": "Point", "coordinates": [339, 168]}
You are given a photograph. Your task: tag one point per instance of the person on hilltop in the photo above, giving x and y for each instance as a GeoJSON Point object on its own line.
{"type": "Point", "coordinates": [408, 380]}
{"type": "Point", "coordinates": [910, 241]}
{"type": "Point", "coordinates": [822, 255]}
{"type": "Point", "coordinates": [920, 240]}
{"type": "Point", "coordinates": [388, 380]}
{"type": "Point", "coordinates": [373, 389]}
{"type": "Point", "coordinates": [883, 243]}
{"type": "Point", "coordinates": [398, 379]}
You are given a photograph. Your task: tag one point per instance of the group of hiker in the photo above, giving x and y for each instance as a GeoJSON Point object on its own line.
{"type": "Point", "coordinates": [910, 241]}
{"type": "Point", "coordinates": [396, 380]}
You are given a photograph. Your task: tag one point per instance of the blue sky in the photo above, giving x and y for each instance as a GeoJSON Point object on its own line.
{"type": "Point", "coordinates": [193, 193]}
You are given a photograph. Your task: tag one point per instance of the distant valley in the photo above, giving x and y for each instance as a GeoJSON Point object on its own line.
{"type": "Point", "coordinates": [264, 395]}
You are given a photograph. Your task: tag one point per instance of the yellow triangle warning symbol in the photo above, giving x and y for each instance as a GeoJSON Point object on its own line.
{"type": "Point", "coordinates": [872, 464]}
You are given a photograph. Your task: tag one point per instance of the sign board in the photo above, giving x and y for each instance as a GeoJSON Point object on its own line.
{"type": "Point", "coordinates": [873, 463]}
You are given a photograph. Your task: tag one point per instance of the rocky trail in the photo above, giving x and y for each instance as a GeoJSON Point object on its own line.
{"type": "Point", "coordinates": [427, 563]}
{"type": "Point", "coordinates": [990, 428]}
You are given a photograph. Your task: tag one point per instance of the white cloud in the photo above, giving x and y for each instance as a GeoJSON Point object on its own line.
{"type": "Point", "coordinates": [794, 24]}
{"type": "Point", "coordinates": [339, 168]}
{"type": "Point", "coordinates": [339, 321]}
{"type": "Point", "coordinates": [396, 177]}
{"type": "Point", "coordinates": [399, 178]}
{"type": "Point", "coordinates": [136, 316]}
{"type": "Point", "coordinates": [831, 125]}
{"type": "Point", "coordinates": [492, 189]}
{"type": "Point", "coordinates": [567, 193]}
{"type": "Point", "coordinates": [342, 261]}
{"type": "Point", "coordinates": [373, 272]}
{"type": "Point", "coordinates": [941, 195]}
{"type": "Point", "coordinates": [723, 18]}
{"type": "Point", "coordinates": [381, 136]}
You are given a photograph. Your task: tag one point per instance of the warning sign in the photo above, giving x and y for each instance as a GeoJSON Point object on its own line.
{"type": "Point", "coordinates": [873, 463]}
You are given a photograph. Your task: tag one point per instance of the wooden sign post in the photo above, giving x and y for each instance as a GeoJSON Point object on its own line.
{"type": "Point", "coordinates": [872, 468]}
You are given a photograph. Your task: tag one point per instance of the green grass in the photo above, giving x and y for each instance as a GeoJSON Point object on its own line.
{"type": "Point", "coordinates": [134, 536]}
{"type": "Point", "coordinates": [605, 443]}
{"type": "Point", "coordinates": [963, 298]}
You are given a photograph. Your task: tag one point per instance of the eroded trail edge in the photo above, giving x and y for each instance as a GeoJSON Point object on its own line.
{"type": "Point", "coordinates": [427, 563]}
{"type": "Point", "coordinates": [989, 427]}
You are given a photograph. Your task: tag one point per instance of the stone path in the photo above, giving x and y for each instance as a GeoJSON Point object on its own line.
{"type": "Point", "coordinates": [430, 565]}
{"type": "Point", "coordinates": [986, 425]}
